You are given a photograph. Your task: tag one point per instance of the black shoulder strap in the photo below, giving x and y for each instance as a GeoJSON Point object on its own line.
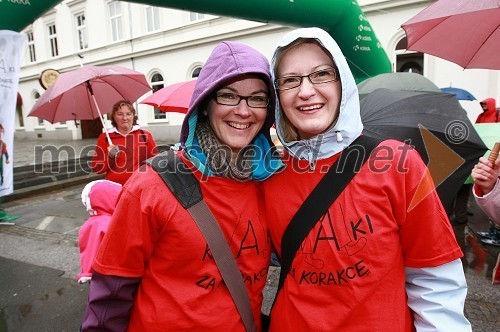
{"type": "Point", "coordinates": [178, 178]}
{"type": "Point", "coordinates": [186, 188]}
{"type": "Point", "coordinates": [321, 198]}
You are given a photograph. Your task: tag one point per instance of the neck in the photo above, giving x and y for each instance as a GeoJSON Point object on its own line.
{"type": "Point", "coordinates": [124, 131]}
{"type": "Point", "coordinates": [221, 159]}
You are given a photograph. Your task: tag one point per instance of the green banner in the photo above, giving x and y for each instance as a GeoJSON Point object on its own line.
{"type": "Point", "coordinates": [343, 19]}
{"type": "Point", "coordinates": [16, 15]}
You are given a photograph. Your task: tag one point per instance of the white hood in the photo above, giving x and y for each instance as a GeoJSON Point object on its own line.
{"type": "Point", "coordinates": [348, 125]}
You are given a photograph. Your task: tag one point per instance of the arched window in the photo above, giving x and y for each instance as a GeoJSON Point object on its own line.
{"type": "Point", "coordinates": [157, 83]}
{"type": "Point", "coordinates": [408, 61]}
{"type": "Point", "coordinates": [36, 95]}
{"type": "Point", "coordinates": [196, 72]}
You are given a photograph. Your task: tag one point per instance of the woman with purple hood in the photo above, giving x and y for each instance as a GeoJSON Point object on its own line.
{"type": "Point", "coordinates": [154, 270]}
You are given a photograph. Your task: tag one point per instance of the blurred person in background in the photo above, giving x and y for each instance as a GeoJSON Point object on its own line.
{"type": "Point", "coordinates": [130, 145]}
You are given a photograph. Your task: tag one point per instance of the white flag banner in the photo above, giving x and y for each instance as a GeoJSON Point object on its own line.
{"type": "Point", "coordinates": [11, 54]}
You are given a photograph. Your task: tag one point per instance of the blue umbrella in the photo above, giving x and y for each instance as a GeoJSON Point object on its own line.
{"type": "Point", "coordinates": [461, 94]}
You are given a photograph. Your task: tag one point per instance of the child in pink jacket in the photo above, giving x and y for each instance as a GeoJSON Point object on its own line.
{"type": "Point", "coordinates": [99, 198]}
{"type": "Point", "coordinates": [487, 188]}
{"type": "Point", "coordinates": [486, 191]}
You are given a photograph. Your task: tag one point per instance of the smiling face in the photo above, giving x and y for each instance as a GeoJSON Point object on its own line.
{"type": "Point", "coordinates": [236, 126]}
{"type": "Point", "coordinates": [311, 108]}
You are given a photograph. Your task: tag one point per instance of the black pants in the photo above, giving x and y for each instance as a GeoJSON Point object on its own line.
{"type": "Point", "coordinates": [459, 214]}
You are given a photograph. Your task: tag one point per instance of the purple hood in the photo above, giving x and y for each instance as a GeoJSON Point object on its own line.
{"type": "Point", "coordinates": [227, 61]}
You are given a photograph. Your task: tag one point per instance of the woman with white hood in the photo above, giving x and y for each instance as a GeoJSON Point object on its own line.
{"type": "Point", "coordinates": [377, 260]}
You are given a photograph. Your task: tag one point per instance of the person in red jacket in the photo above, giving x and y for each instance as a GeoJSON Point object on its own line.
{"type": "Point", "coordinates": [490, 113]}
{"type": "Point", "coordinates": [130, 145]}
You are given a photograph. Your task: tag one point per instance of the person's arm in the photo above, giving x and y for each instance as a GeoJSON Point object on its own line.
{"type": "Point", "coordinates": [489, 203]}
{"type": "Point", "coordinates": [109, 302]}
{"type": "Point", "coordinates": [486, 188]}
{"type": "Point", "coordinates": [485, 175]}
{"type": "Point", "coordinates": [121, 258]}
{"type": "Point", "coordinates": [435, 280]}
{"type": "Point", "coordinates": [437, 295]}
{"type": "Point", "coordinates": [90, 237]}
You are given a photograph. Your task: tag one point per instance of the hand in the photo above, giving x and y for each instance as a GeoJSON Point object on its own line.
{"type": "Point", "coordinates": [113, 151]}
{"type": "Point", "coordinates": [7, 161]}
{"type": "Point", "coordinates": [485, 174]}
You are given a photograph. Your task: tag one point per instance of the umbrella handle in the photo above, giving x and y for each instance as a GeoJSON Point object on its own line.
{"type": "Point", "coordinates": [100, 117]}
{"type": "Point", "coordinates": [494, 153]}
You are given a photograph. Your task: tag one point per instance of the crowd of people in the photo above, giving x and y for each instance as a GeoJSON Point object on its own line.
{"type": "Point", "coordinates": [364, 259]}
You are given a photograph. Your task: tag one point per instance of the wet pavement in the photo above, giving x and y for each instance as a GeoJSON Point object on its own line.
{"type": "Point", "coordinates": [482, 306]}
{"type": "Point", "coordinates": [39, 259]}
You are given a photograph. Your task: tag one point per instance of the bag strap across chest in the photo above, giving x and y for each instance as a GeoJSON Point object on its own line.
{"type": "Point", "coordinates": [186, 188]}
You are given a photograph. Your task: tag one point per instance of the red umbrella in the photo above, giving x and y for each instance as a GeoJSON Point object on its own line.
{"type": "Point", "coordinates": [172, 98]}
{"type": "Point", "coordinates": [465, 32]}
{"type": "Point", "coordinates": [82, 93]}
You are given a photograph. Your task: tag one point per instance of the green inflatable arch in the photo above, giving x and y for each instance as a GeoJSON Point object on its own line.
{"type": "Point", "coordinates": [343, 19]}
{"type": "Point", "coordinates": [16, 15]}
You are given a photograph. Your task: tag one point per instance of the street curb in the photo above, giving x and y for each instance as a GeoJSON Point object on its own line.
{"type": "Point", "coordinates": [51, 186]}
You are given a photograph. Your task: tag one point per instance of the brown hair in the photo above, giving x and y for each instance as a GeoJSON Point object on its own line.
{"type": "Point", "coordinates": [117, 106]}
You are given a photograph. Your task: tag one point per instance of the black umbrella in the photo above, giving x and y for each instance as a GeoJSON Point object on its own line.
{"type": "Point", "coordinates": [435, 124]}
{"type": "Point", "coordinates": [397, 81]}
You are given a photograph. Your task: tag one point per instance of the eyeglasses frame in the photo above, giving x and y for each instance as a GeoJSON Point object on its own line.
{"type": "Point", "coordinates": [217, 95]}
{"type": "Point", "coordinates": [337, 77]}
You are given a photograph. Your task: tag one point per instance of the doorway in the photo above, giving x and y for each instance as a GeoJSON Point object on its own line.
{"type": "Point", "coordinates": [91, 128]}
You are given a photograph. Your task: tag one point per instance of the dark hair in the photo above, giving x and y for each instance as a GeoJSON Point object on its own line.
{"type": "Point", "coordinates": [117, 106]}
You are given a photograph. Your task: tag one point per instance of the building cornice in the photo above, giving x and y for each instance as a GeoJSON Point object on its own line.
{"type": "Point", "coordinates": [385, 5]}
{"type": "Point", "coordinates": [71, 3]}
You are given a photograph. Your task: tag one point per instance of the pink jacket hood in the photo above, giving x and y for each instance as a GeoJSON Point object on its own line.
{"type": "Point", "coordinates": [99, 197]}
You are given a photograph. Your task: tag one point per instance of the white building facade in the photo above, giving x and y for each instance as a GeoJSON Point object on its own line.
{"type": "Point", "coordinates": [169, 46]}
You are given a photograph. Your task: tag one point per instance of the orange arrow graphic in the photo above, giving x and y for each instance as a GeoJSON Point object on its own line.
{"type": "Point", "coordinates": [443, 161]}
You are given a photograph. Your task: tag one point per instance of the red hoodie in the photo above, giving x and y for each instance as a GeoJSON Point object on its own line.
{"type": "Point", "coordinates": [491, 114]}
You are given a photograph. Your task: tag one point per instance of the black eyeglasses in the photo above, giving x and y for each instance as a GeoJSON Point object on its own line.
{"type": "Point", "coordinates": [232, 99]}
{"type": "Point", "coordinates": [317, 77]}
